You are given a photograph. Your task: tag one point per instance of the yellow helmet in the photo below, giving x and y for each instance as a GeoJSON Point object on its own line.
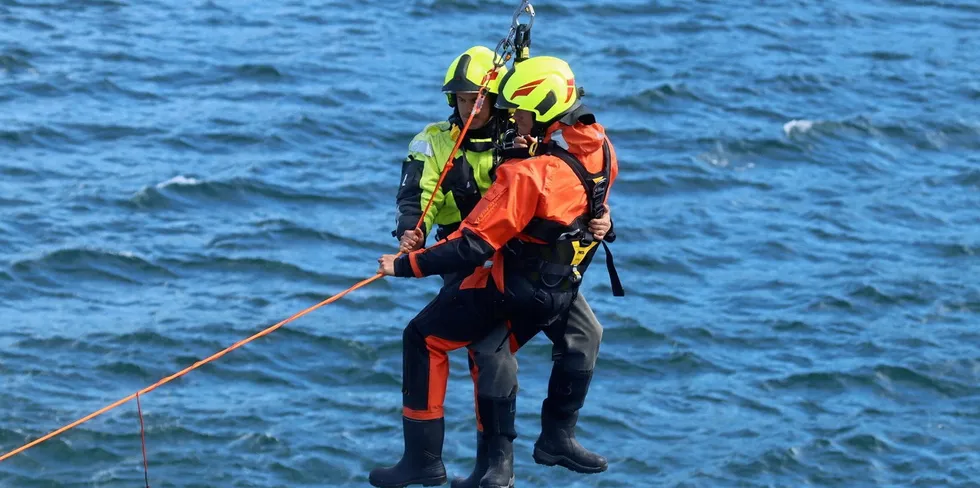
{"type": "Point", "coordinates": [543, 85]}
{"type": "Point", "coordinates": [467, 73]}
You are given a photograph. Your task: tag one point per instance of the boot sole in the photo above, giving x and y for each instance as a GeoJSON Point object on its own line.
{"type": "Point", "coordinates": [546, 459]}
{"type": "Point", "coordinates": [437, 481]}
{"type": "Point", "coordinates": [464, 483]}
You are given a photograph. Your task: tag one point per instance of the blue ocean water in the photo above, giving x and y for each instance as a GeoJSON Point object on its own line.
{"type": "Point", "coordinates": [798, 209]}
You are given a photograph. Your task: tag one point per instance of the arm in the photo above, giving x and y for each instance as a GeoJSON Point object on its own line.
{"type": "Point", "coordinates": [409, 192]}
{"type": "Point", "coordinates": [504, 211]}
{"type": "Point", "coordinates": [613, 174]}
{"type": "Point", "coordinates": [602, 227]}
{"type": "Point", "coordinates": [420, 173]}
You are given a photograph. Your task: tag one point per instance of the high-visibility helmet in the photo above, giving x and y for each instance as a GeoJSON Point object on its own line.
{"type": "Point", "coordinates": [467, 72]}
{"type": "Point", "coordinates": [543, 85]}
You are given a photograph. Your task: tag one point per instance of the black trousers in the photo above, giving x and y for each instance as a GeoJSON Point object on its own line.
{"type": "Point", "coordinates": [492, 325]}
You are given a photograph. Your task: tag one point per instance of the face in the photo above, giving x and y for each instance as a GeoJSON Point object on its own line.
{"type": "Point", "coordinates": [525, 121]}
{"type": "Point", "coordinates": [465, 103]}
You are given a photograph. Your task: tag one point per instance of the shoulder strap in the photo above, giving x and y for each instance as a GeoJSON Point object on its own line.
{"type": "Point", "coordinates": [596, 184]}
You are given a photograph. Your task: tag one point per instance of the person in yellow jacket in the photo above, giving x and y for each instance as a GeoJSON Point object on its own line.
{"type": "Point", "coordinates": [470, 176]}
{"type": "Point", "coordinates": [494, 369]}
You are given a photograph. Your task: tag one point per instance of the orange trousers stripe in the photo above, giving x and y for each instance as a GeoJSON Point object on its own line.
{"type": "Point", "coordinates": [438, 378]}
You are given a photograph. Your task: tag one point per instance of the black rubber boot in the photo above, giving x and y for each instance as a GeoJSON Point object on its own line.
{"type": "Point", "coordinates": [500, 473]}
{"type": "Point", "coordinates": [559, 414]}
{"type": "Point", "coordinates": [479, 470]}
{"type": "Point", "coordinates": [497, 415]}
{"type": "Point", "coordinates": [421, 464]}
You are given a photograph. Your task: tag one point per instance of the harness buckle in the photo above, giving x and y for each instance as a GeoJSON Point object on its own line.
{"type": "Point", "coordinates": [576, 276]}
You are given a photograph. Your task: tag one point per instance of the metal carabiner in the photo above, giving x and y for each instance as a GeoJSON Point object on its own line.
{"type": "Point", "coordinates": [501, 54]}
{"type": "Point", "coordinates": [506, 47]}
{"type": "Point", "coordinates": [525, 7]}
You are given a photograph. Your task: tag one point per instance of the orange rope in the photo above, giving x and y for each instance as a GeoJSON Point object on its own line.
{"type": "Point", "coordinates": [449, 164]}
{"type": "Point", "coordinates": [186, 370]}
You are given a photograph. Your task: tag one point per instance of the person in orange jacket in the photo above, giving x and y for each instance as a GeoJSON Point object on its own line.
{"type": "Point", "coordinates": [526, 246]}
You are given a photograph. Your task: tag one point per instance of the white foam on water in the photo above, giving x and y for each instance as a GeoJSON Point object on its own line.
{"type": "Point", "coordinates": [801, 126]}
{"type": "Point", "coordinates": [179, 180]}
